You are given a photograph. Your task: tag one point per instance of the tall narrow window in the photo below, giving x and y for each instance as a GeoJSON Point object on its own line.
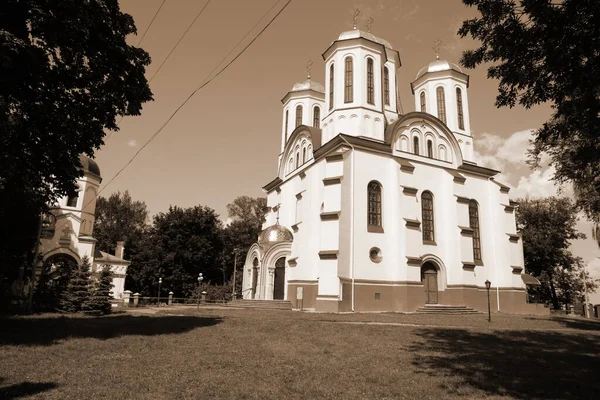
{"type": "Point", "coordinates": [427, 216]}
{"type": "Point", "coordinates": [72, 199]}
{"type": "Point", "coordinates": [331, 69]}
{"type": "Point", "coordinates": [429, 149]}
{"type": "Point", "coordinates": [374, 204]}
{"type": "Point", "coordinates": [386, 85]}
{"type": "Point", "coordinates": [317, 117]}
{"type": "Point", "coordinates": [370, 83]}
{"type": "Point", "coordinates": [459, 109]}
{"type": "Point", "coordinates": [474, 224]}
{"type": "Point", "coordinates": [423, 102]}
{"type": "Point", "coordinates": [303, 155]}
{"type": "Point", "coordinates": [348, 81]}
{"type": "Point", "coordinates": [441, 104]}
{"type": "Point", "coordinates": [416, 145]}
{"type": "Point", "coordinates": [297, 160]}
{"type": "Point", "coordinates": [298, 115]}
{"type": "Point", "coordinates": [287, 119]}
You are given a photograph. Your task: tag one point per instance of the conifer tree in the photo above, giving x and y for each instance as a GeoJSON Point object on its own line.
{"type": "Point", "coordinates": [77, 292]}
{"type": "Point", "coordinates": [99, 301]}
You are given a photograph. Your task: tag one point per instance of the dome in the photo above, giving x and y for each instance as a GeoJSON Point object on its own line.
{"type": "Point", "coordinates": [308, 84]}
{"type": "Point", "coordinates": [438, 65]}
{"type": "Point", "coordinates": [357, 33]}
{"type": "Point", "coordinates": [275, 234]}
{"type": "Point", "coordinates": [89, 165]}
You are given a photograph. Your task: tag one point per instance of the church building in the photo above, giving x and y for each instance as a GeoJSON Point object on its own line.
{"type": "Point", "coordinates": [73, 238]}
{"type": "Point", "coordinates": [375, 210]}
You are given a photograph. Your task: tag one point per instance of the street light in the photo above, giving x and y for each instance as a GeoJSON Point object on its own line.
{"type": "Point", "coordinates": [159, 282]}
{"type": "Point", "coordinates": [234, 270]}
{"type": "Point", "coordinates": [200, 278]}
{"type": "Point", "coordinates": [487, 286]}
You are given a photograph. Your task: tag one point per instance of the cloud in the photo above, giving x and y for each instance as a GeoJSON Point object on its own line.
{"type": "Point", "coordinates": [132, 143]}
{"type": "Point", "coordinates": [593, 267]}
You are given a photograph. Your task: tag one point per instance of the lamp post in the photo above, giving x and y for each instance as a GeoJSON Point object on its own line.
{"type": "Point", "coordinates": [487, 286]}
{"type": "Point", "coordinates": [200, 278]}
{"type": "Point", "coordinates": [159, 282]}
{"type": "Point", "coordinates": [234, 271]}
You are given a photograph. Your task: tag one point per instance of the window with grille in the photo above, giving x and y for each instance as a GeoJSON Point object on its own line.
{"type": "Point", "coordinates": [374, 204]}
{"type": "Point", "coordinates": [474, 224]}
{"type": "Point", "coordinates": [416, 145]}
{"type": "Point", "coordinates": [459, 109]}
{"type": "Point", "coordinates": [298, 115]}
{"type": "Point", "coordinates": [423, 103]}
{"type": "Point", "coordinates": [331, 69]}
{"type": "Point", "coordinates": [441, 104]}
{"type": "Point", "coordinates": [317, 117]}
{"type": "Point", "coordinates": [348, 81]}
{"type": "Point", "coordinates": [370, 83]}
{"type": "Point", "coordinates": [429, 149]}
{"type": "Point", "coordinates": [427, 216]}
{"type": "Point", "coordinates": [386, 85]}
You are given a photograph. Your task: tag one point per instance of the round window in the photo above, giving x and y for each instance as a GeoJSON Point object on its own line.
{"type": "Point", "coordinates": [375, 254]}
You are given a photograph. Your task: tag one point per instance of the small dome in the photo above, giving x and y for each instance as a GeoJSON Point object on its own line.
{"type": "Point", "coordinates": [275, 234]}
{"type": "Point", "coordinates": [438, 65]}
{"type": "Point", "coordinates": [308, 84]}
{"type": "Point", "coordinates": [89, 165]}
{"type": "Point", "coordinates": [357, 33]}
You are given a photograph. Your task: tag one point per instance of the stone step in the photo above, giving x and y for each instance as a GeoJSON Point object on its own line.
{"type": "Point", "coordinates": [446, 309]}
{"type": "Point", "coordinates": [263, 304]}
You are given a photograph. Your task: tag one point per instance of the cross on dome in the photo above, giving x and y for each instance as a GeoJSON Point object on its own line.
{"type": "Point", "coordinates": [369, 23]}
{"type": "Point", "coordinates": [436, 48]}
{"type": "Point", "coordinates": [308, 68]}
{"type": "Point", "coordinates": [356, 14]}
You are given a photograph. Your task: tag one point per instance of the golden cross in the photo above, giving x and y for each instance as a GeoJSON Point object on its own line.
{"type": "Point", "coordinates": [369, 23]}
{"type": "Point", "coordinates": [436, 47]}
{"type": "Point", "coordinates": [356, 14]}
{"type": "Point", "coordinates": [308, 68]}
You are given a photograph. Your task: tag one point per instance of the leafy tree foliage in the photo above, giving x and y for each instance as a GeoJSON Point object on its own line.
{"type": "Point", "coordinates": [120, 218]}
{"type": "Point", "coordinates": [99, 300]}
{"type": "Point", "coordinates": [548, 226]}
{"type": "Point", "coordinates": [55, 276]}
{"type": "Point", "coordinates": [545, 51]}
{"type": "Point", "coordinates": [66, 74]}
{"type": "Point", "coordinates": [77, 292]}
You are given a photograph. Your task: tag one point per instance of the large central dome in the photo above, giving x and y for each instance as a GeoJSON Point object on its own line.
{"type": "Point", "coordinates": [357, 33]}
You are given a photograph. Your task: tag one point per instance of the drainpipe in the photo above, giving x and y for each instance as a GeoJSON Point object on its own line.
{"type": "Point", "coordinates": [494, 244]}
{"type": "Point", "coordinates": [351, 218]}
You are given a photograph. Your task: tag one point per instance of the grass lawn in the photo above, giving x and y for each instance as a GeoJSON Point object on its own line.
{"type": "Point", "coordinates": [270, 354]}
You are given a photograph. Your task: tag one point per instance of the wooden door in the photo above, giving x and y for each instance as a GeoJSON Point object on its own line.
{"type": "Point", "coordinates": [279, 284]}
{"type": "Point", "coordinates": [431, 287]}
{"type": "Point", "coordinates": [254, 281]}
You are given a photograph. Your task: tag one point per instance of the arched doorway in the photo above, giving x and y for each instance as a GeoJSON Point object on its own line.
{"type": "Point", "coordinates": [254, 277]}
{"type": "Point", "coordinates": [279, 279]}
{"type": "Point", "coordinates": [429, 277]}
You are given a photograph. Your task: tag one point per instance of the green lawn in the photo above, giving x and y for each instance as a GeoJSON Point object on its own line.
{"type": "Point", "coordinates": [253, 354]}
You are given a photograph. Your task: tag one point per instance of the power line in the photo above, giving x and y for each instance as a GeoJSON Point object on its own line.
{"type": "Point", "coordinates": [151, 22]}
{"type": "Point", "coordinates": [206, 82]}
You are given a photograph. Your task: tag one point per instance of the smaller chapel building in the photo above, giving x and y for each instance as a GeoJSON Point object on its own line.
{"type": "Point", "coordinates": [73, 234]}
{"type": "Point", "coordinates": [373, 210]}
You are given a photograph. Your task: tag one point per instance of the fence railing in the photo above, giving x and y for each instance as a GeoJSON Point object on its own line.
{"type": "Point", "coordinates": [169, 301]}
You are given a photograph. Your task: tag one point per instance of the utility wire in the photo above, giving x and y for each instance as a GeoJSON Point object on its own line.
{"type": "Point", "coordinates": [151, 22]}
{"type": "Point", "coordinates": [206, 82]}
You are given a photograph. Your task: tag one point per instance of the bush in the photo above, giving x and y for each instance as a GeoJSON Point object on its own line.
{"type": "Point", "coordinates": [99, 300]}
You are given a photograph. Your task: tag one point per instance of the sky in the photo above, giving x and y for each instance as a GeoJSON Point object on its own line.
{"type": "Point", "coordinates": [225, 141]}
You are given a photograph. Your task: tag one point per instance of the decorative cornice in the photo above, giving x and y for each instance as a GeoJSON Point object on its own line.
{"type": "Point", "coordinates": [412, 223]}
{"type": "Point", "coordinates": [513, 237]}
{"type": "Point", "coordinates": [333, 180]}
{"type": "Point", "coordinates": [302, 174]}
{"type": "Point", "coordinates": [334, 157]}
{"type": "Point", "coordinates": [292, 261]}
{"type": "Point", "coordinates": [468, 265]}
{"type": "Point", "coordinates": [295, 227]}
{"type": "Point", "coordinates": [503, 188]}
{"type": "Point", "coordinates": [330, 215]}
{"type": "Point", "coordinates": [405, 165]}
{"type": "Point", "coordinates": [462, 200]}
{"type": "Point", "coordinates": [466, 230]}
{"type": "Point", "coordinates": [303, 282]}
{"type": "Point", "coordinates": [328, 254]}
{"type": "Point", "coordinates": [508, 208]}
{"type": "Point", "coordinates": [457, 178]}
{"type": "Point", "coordinates": [409, 191]}
{"type": "Point", "coordinates": [516, 269]}
{"type": "Point", "coordinates": [413, 261]}
{"type": "Point", "coordinates": [274, 184]}
{"type": "Point", "coordinates": [476, 169]}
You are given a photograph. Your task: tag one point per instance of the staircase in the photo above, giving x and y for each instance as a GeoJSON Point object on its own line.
{"type": "Point", "coordinates": [442, 309]}
{"type": "Point", "coordinates": [262, 304]}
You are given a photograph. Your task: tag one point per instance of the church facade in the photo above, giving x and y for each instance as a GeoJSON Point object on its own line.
{"type": "Point", "coordinates": [373, 210]}
{"type": "Point", "coordinates": [73, 233]}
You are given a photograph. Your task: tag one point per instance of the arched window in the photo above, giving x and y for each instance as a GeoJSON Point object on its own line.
{"type": "Point", "coordinates": [459, 109]}
{"type": "Point", "coordinates": [72, 199]}
{"type": "Point", "coordinates": [303, 155]}
{"type": "Point", "coordinates": [423, 103]}
{"type": "Point", "coordinates": [474, 224]}
{"type": "Point", "coordinates": [331, 69]}
{"type": "Point", "coordinates": [429, 149]}
{"type": "Point", "coordinates": [291, 165]}
{"type": "Point", "coordinates": [297, 159]}
{"type": "Point", "coordinates": [441, 104]}
{"type": "Point", "coordinates": [370, 83]}
{"type": "Point", "coordinates": [416, 145]}
{"type": "Point", "coordinates": [298, 115]}
{"type": "Point", "coordinates": [386, 85]}
{"type": "Point", "coordinates": [317, 117]}
{"type": "Point", "coordinates": [374, 204]}
{"type": "Point", "coordinates": [348, 81]}
{"type": "Point", "coordinates": [287, 119]}
{"type": "Point", "coordinates": [427, 216]}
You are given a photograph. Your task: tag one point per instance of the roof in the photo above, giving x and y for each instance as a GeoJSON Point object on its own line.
{"type": "Point", "coordinates": [90, 166]}
{"type": "Point", "coordinates": [530, 280]}
{"type": "Point", "coordinates": [308, 84]}
{"type": "Point", "coordinates": [357, 33]}
{"type": "Point", "coordinates": [437, 66]}
{"type": "Point", "coordinates": [275, 234]}
{"type": "Point", "coordinates": [101, 257]}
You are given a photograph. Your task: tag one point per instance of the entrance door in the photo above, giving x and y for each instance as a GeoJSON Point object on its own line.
{"type": "Point", "coordinates": [279, 279]}
{"type": "Point", "coordinates": [430, 283]}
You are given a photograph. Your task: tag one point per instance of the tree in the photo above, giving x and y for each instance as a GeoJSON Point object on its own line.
{"type": "Point", "coordinates": [55, 276]}
{"type": "Point", "coordinates": [248, 209]}
{"type": "Point", "coordinates": [77, 292]}
{"type": "Point", "coordinates": [120, 218]}
{"type": "Point", "coordinates": [181, 244]}
{"type": "Point", "coordinates": [66, 74]}
{"type": "Point", "coordinates": [548, 226]}
{"type": "Point", "coordinates": [544, 51]}
{"type": "Point", "coordinates": [99, 300]}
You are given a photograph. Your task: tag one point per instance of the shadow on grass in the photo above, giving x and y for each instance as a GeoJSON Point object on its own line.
{"type": "Point", "coordinates": [43, 331]}
{"type": "Point", "coordinates": [24, 389]}
{"type": "Point", "coordinates": [520, 364]}
{"type": "Point", "coordinates": [579, 323]}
